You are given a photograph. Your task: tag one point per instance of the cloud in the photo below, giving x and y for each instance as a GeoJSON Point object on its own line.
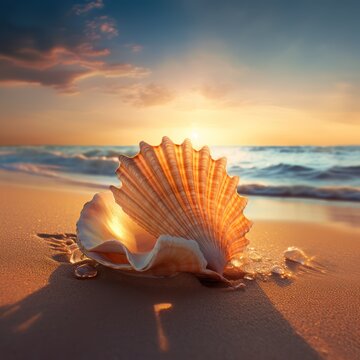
{"type": "Point", "coordinates": [62, 73]}
{"type": "Point", "coordinates": [135, 48]}
{"type": "Point", "coordinates": [214, 92]}
{"type": "Point", "coordinates": [101, 26]}
{"type": "Point", "coordinates": [149, 95]}
{"type": "Point", "coordinates": [346, 96]}
{"type": "Point", "coordinates": [140, 95]}
{"type": "Point", "coordinates": [32, 58]}
{"type": "Point", "coordinates": [61, 67]}
{"type": "Point", "coordinates": [61, 53]}
{"type": "Point", "coordinates": [342, 102]}
{"type": "Point", "coordinates": [57, 77]}
{"type": "Point", "coordinates": [80, 9]}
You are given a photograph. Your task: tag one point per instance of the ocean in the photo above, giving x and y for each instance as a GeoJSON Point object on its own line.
{"type": "Point", "coordinates": [328, 173]}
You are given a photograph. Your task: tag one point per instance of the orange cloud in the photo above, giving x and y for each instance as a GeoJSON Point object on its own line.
{"type": "Point", "coordinates": [140, 95]}
{"type": "Point", "coordinates": [57, 55]}
{"type": "Point", "coordinates": [62, 67]}
{"type": "Point", "coordinates": [214, 92]}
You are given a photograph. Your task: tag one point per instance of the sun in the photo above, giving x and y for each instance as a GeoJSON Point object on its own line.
{"type": "Point", "coordinates": [194, 135]}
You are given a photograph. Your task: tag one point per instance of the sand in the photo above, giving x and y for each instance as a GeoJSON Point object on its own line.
{"type": "Point", "coordinates": [45, 313]}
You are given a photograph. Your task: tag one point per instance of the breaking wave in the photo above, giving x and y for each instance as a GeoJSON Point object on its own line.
{"type": "Point", "coordinates": [301, 191]}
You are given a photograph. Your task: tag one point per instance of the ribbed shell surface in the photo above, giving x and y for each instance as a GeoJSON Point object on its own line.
{"type": "Point", "coordinates": [176, 190]}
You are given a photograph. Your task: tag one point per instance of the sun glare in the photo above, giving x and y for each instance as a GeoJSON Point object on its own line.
{"type": "Point", "coordinates": [194, 135]}
{"type": "Point", "coordinates": [195, 138]}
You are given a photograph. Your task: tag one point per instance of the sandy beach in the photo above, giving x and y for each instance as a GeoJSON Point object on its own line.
{"type": "Point", "coordinates": [46, 313]}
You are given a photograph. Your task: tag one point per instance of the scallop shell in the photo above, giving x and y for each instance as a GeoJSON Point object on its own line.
{"type": "Point", "coordinates": [177, 210]}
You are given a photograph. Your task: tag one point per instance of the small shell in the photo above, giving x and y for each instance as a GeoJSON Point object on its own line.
{"type": "Point", "coordinates": [176, 210]}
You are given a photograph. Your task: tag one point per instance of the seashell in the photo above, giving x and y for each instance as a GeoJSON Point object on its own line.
{"type": "Point", "coordinates": [177, 210]}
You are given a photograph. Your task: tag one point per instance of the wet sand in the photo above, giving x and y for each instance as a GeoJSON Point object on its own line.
{"type": "Point", "coordinates": [46, 313]}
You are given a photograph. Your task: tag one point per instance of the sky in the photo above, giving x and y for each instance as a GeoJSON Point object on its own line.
{"type": "Point", "coordinates": [230, 72]}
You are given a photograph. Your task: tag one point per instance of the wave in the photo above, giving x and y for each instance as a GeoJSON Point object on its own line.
{"type": "Point", "coordinates": [304, 149]}
{"type": "Point", "coordinates": [59, 161]}
{"type": "Point", "coordinates": [50, 171]}
{"type": "Point", "coordinates": [301, 191]}
{"type": "Point", "coordinates": [299, 172]}
{"type": "Point", "coordinates": [340, 172]}
{"type": "Point", "coordinates": [102, 165]}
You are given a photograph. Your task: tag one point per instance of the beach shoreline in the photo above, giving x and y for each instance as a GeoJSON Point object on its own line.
{"type": "Point", "coordinates": [45, 312]}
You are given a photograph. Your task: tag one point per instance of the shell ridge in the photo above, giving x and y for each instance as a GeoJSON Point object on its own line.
{"type": "Point", "coordinates": [186, 157]}
{"type": "Point", "coordinates": [193, 176]}
{"type": "Point", "coordinates": [209, 198]}
{"type": "Point", "coordinates": [203, 166]}
{"type": "Point", "coordinates": [219, 175]}
{"type": "Point", "coordinates": [229, 197]}
{"type": "Point", "coordinates": [165, 188]}
{"type": "Point", "coordinates": [136, 211]}
{"type": "Point", "coordinates": [235, 223]}
{"type": "Point", "coordinates": [145, 204]}
{"type": "Point", "coordinates": [168, 206]}
{"type": "Point", "coordinates": [135, 188]}
{"type": "Point", "coordinates": [169, 150]}
{"type": "Point", "coordinates": [162, 189]}
{"type": "Point", "coordinates": [193, 160]}
{"type": "Point", "coordinates": [182, 188]}
{"type": "Point", "coordinates": [221, 205]}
